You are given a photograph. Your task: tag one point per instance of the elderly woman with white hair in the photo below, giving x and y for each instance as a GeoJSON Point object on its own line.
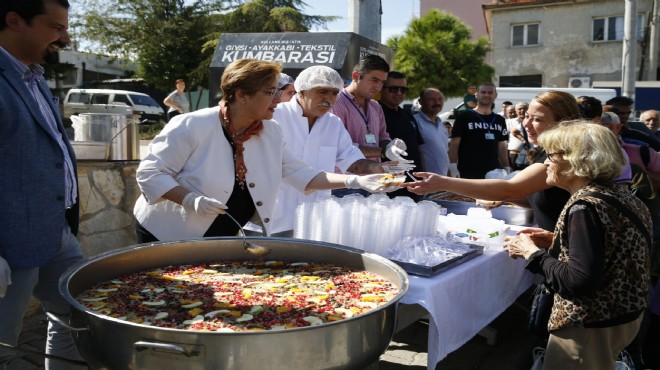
{"type": "Point", "coordinates": [598, 260]}
{"type": "Point", "coordinates": [316, 136]}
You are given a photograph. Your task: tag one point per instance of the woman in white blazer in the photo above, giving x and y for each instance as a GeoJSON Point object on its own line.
{"type": "Point", "coordinates": [230, 157]}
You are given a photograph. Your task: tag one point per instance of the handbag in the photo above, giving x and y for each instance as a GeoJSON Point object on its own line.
{"type": "Point", "coordinates": [541, 306]}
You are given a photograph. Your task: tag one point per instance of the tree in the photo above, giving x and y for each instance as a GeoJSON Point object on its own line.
{"type": "Point", "coordinates": [163, 36]}
{"type": "Point", "coordinates": [171, 39]}
{"type": "Point", "coordinates": [436, 51]}
{"type": "Point", "coordinates": [257, 16]}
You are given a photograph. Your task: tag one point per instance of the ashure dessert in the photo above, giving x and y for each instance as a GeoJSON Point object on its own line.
{"type": "Point", "coordinates": [243, 295]}
{"type": "Point", "coordinates": [391, 180]}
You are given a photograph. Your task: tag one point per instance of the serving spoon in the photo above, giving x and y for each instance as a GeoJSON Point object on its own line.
{"type": "Point", "coordinates": [253, 249]}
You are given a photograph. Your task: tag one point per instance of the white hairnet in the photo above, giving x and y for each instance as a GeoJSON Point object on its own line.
{"type": "Point", "coordinates": [318, 76]}
{"type": "Point", "coordinates": [284, 80]}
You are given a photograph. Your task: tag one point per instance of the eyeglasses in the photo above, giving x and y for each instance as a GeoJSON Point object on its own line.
{"type": "Point", "coordinates": [554, 157]}
{"type": "Point", "coordinates": [394, 89]}
{"type": "Point", "coordinates": [273, 92]}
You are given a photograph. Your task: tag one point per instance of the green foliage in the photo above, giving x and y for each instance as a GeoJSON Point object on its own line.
{"type": "Point", "coordinates": [436, 51]}
{"type": "Point", "coordinates": [163, 36]}
{"type": "Point", "coordinates": [256, 16]}
{"type": "Point", "coordinates": [148, 132]}
{"type": "Point", "coordinates": [173, 39]}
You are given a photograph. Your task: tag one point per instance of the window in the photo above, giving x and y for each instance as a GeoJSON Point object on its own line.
{"type": "Point", "coordinates": [121, 98]}
{"type": "Point", "coordinates": [100, 99]}
{"type": "Point", "coordinates": [79, 98]}
{"type": "Point", "coordinates": [525, 34]}
{"type": "Point", "coordinates": [143, 100]}
{"type": "Point", "coordinates": [521, 81]}
{"type": "Point", "coordinates": [611, 28]}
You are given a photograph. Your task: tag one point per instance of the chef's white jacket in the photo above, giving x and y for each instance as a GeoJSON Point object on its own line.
{"type": "Point", "coordinates": [192, 151]}
{"type": "Point", "coordinates": [326, 146]}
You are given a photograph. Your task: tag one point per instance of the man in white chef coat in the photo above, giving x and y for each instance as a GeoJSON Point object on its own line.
{"type": "Point", "coordinates": [316, 136]}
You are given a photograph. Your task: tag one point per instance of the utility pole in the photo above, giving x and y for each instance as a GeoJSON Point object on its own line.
{"type": "Point", "coordinates": [629, 49]}
{"type": "Point", "coordinates": [364, 18]}
{"type": "Point", "coordinates": [652, 71]}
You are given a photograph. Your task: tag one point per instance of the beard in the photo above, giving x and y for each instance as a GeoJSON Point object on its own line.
{"type": "Point", "coordinates": [53, 56]}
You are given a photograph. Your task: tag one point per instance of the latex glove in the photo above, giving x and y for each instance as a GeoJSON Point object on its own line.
{"type": "Point", "coordinates": [5, 277]}
{"type": "Point", "coordinates": [370, 183]}
{"type": "Point", "coordinates": [203, 206]}
{"type": "Point", "coordinates": [395, 151]}
{"type": "Point", "coordinates": [453, 170]}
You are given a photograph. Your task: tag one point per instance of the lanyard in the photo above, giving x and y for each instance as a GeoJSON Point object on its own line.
{"type": "Point", "coordinates": [490, 126]}
{"type": "Point", "coordinates": [364, 117]}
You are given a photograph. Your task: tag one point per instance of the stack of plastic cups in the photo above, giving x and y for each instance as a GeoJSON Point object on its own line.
{"type": "Point", "coordinates": [303, 215]}
{"type": "Point", "coordinates": [330, 223]}
{"type": "Point", "coordinates": [352, 219]}
{"type": "Point", "coordinates": [377, 227]}
{"type": "Point", "coordinates": [427, 218]}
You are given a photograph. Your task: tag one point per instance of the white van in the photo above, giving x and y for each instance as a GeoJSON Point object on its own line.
{"type": "Point", "coordinates": [79, 101]}
{"type": "Point", "coordinates": [526, 94]}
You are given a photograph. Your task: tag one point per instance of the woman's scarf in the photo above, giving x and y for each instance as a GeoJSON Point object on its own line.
{"type": "Point", "coordinates": [238, 139]}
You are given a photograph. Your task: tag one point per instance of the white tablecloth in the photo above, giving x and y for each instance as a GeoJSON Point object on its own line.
{"type": "Point", "coordinates": [465, 299]}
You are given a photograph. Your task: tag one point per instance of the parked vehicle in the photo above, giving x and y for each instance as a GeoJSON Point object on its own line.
{"type": "Point", "coordinates": [518, 94]}
{"type": "Point", "coordinates": [79, 101]}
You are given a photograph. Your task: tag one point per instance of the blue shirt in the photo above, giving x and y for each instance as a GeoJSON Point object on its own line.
{"type": "Point", "coordinates": [31, 75]}
{"type": "Point", "coordinates": [434, 150]}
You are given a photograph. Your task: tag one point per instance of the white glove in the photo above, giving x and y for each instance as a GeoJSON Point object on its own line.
{"type": "Point", "coordinates": [5, 277]}
{"type": "Point", "coordinates": [203, 206]}
{"type": "Point", "coordinates": [371, 183]}
{"type": "Point", "coordinates": [395, 151]}
{"type": "Point", "coordinates": [453, 170]}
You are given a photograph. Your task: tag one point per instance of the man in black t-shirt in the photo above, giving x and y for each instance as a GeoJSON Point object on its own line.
{"type": "Point", "coordinates": [479, 138]}
{"type": "Point", "coordinates": [400, 123]}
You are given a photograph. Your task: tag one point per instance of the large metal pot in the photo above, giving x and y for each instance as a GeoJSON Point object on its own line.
{"type": "Point", "coordinates": [107, 343]}
{"type": "Point", "coordinates": [118, 131]}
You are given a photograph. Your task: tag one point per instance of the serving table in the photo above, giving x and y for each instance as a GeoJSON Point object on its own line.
{"type": "Point", "coordinates": [463, 300]}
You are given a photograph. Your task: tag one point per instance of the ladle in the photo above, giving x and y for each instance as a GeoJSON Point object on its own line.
{"type": "Point", "coordinates": [253, 249]}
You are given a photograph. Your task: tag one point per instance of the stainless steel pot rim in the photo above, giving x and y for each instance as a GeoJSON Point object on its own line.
{"type": "Point", "coordinates": [71, 272]}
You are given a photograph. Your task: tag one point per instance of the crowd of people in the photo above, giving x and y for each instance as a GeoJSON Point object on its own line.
{"type": "Point", "coordinates": [274, 142]}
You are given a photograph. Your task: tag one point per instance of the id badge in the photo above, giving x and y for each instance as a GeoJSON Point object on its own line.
{"type": "Point", "coordinates": [490, 136]}
{"type": "Point", "coordinates": [370, 138]}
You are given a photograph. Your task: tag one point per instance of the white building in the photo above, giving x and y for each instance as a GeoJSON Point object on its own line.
{"type": "Point", "coordinates": [90, 67]}
{"type": "Point", "coordinates": [561, 43]}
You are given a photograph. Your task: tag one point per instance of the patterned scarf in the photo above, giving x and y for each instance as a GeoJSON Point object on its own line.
{"type": "Point", "coordinates": [238, 139]}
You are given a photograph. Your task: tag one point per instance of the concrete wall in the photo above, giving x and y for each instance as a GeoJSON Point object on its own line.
{"type": "Point", "coordinates": [108, 191]}
{"type": "Point", "coordinates": [565, 47]}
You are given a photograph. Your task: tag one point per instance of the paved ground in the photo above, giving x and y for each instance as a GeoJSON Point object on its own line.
{"type": "Point", "coordinates": [407, 351]}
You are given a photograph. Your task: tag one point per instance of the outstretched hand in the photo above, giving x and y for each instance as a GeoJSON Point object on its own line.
{"type": "Point", "coordinates": [429, 183]}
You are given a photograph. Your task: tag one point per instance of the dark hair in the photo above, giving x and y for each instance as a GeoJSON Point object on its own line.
{"type": "Point", "coordinates": [180, 80]}
{"type": "Point", "coordinates": [620, 101]}
{"type": "Point", "coordinates": [507, 102]}
{"type": "Point", "coordinates": [370, 63]}
{"type": "Point", "coordinates": [27, 9]}
{"type": "Point", "coordinates": [589, 107]}
{"type": "Point", "coordinates": [396, 75]}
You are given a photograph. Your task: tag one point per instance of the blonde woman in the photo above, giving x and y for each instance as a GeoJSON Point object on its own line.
{"type": "Point", "coordinates": [597, 260]}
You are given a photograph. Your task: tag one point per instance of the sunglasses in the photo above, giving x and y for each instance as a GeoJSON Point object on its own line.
{"type": "Point", "coordinates": [394, 89]}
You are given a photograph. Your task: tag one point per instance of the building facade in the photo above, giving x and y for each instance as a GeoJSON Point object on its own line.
{"type": "Point", "coordinates": [562, 43]}
{"type": "Point", "coordinates": [468, 11]}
